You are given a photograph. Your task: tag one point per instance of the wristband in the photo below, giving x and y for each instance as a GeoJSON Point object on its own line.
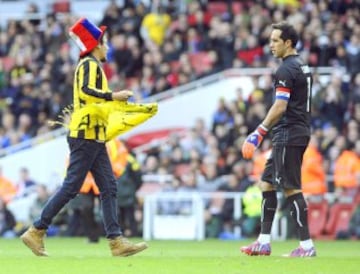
{"type": "Point", "coordinates": [262, 130]}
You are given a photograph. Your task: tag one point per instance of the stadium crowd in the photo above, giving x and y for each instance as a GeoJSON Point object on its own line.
{"type": "Point", "coordinates": [155, 47]}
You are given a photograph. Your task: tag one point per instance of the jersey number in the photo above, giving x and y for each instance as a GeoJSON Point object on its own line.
{"type": "Point", "coordinates": [308, 80]}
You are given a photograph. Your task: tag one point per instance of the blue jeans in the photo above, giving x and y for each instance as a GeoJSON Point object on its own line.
{"type": "Point", "coordinates": [85, 156]}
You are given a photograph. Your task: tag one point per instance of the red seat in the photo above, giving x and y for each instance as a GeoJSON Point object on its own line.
{"type": "Point", "coordinates": [182, 169]}
{"type": "Point", "coordinates": [339, 218]}
{"type": "Point", "coordinates": [149, 188]}
{"type": "Point", "coordinates": [175, 66]}
{"type": "Point", "coordinates": [7, 63]}
{"type": "Point", "coordinates": [132, 82]}
{"type": "Point", "coordinates": [317, 216]}
{"type": "Point", "coordinates": [146, 137]}
{"type": "Point", "coordinates": [357, 199]}
{"type": "Point", "coordinates": [217, 8]}
{"type": "Point", "coordinates": [61, 6]}
{"type": "Point", "coordinates": [250, 55]}
{"type": "Point", "coordinates": [236, 7]}
{"type": "Point", "coordinates": [200, 61]}
{"type": "Point", "coordinates": [109, 70]}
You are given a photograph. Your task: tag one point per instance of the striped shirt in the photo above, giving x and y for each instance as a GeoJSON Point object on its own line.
{"type": "Point", "coordinates": [90, 86]}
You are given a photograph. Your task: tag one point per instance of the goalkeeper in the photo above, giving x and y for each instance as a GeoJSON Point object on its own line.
{"type": "Point", "coordinates": [289, 119]}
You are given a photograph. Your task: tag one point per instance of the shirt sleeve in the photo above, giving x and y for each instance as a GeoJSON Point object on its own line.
{"type": "Point", "coordinates": [92, 81]}
{"type": "Point", "coordinates": [283, 84]}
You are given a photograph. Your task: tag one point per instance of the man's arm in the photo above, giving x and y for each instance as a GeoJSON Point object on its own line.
{"type": "Point", "coordinates": [275, 113]}
{"type": "Point", "coordinates": [255, 138]}
{"type": "Point", "coordinates": [283, 88]}
{"type": "Point", "coordinates": [89, 85]}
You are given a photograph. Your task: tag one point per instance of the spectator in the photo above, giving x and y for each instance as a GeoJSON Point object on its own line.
{"type": "Point", "coordinates": [352, 131]}
{"type": "Point", "coordinates": [355, 87]}
{"type": "Point", "coordinates": [353, 230]}
{"type": "Point", "coordinates": [136, 64]}
{"type": "Point", "coordinates": [333, 104]}
{"type": "Point", "coordinates": [25, 186]}
{"type": "Point", "coordinates": [26, 102]}
{"type": "Point", "coordinates": [62, 65]}
{"type": "Point", "coordinates": [127, 185]}
{"type": "Point", "coordinates": [241, 171]}
{"type": "Point", "coordinates": [222, 115]}
{"type": "Point", "coordinates": [151, 165]}
{"type": "Point", "coordinates": [313, 177]}
{"type": "Point", "coordinates": [121, 54]}
{"type": "Point", "coordinates": [171, 53]}
{"type": "Point", "coordinates": [347, 171]}
{"type": "Point", "coordinates": [213, 216]}
{"type": "Point", "coordinates": [155, 26]}
{"type": "Point", "coordinates": [7, 221]}
{"type": "Point", "coordinates": [54, 34]}
{"type": "Point", "coordinates": [211, 181]}
{"type": "Point", "coordinates": [254, 115]}
{"type": "Point", "coordinates": [194, 42]}
{"type": "Point", "coordinates": [189, 183]}
{"type": "Point", "coordinates": [251, 202]}
{"type": "Point", "coordinates": [42, 196]}
{"type": "Point", "coordinates": [41, 199]}
{"type": "Point", "coordinates": [83, 210]}
{"type": "Point", "coordinates": [353, 52]}
{"type": "Point", "coordinates": [130, 21]}
{"type": "Point", "coordinates": [232, 184]}
{"type": "Point", "coordinates": [170, 207]}
{"type": "Point", "coordinates": [7, 189]}
{"type": "Point", "coordinates": [25, 128]}
{"type": "Point", "coordinates": [111, 16]}
{"type": "Point", "coordinates": [328, 137]}
{"type": "Point", "coordinates": [260, 161]}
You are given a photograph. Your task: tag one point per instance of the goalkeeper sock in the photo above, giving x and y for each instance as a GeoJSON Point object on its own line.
{"type": "Point", "coordinates": [264, 238]}
{"type": "Point", "coordinates": [268, 206]}
{"type": "Point", "coordinates": [298, 211]}
{"type": "Point", "coordinates": [307, 244]}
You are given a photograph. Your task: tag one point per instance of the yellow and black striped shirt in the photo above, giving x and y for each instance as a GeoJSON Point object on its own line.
{"type": "Point", "coordinates": [90, 86]}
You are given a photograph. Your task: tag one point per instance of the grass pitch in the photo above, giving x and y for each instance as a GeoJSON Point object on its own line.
{"type": "Point", "coordinates": [73, 255]}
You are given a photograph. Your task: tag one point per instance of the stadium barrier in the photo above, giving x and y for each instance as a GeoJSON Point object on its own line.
{"type": "Point", "coordinates": [187, 221]}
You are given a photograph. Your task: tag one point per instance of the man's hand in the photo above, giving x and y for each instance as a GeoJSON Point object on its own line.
{"type": "Point", "coordinates": [122, 95]}
{"type": "Point", "coordinates": [253, 141]}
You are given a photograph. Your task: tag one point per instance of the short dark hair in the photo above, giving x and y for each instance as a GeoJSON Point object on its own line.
{"type": "Point", "coordinates": [287, 32]}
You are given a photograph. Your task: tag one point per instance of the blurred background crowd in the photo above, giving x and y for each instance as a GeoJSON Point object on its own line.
{"type": "Point", "coordinates": [159, 45]}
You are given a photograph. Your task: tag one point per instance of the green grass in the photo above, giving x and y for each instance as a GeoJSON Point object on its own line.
{"type": "Point", "coordinates": [73, 255]}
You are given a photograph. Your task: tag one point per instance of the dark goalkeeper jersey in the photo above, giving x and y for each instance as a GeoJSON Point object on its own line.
{"type": "Point", "coordinates": [293, 83]}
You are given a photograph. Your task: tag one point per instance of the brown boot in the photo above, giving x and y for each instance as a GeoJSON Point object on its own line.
{"type": "Point", "coordinates": [120, 246]}
{"type": "Point", "coordinates": [33, 238]}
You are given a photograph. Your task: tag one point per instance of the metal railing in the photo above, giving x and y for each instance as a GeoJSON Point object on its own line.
{"type": "Point", "coordinates": [193, 222]}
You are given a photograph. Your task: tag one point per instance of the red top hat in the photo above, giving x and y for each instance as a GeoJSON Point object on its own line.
{"type": "Point", "coordinates": [86, 35]}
